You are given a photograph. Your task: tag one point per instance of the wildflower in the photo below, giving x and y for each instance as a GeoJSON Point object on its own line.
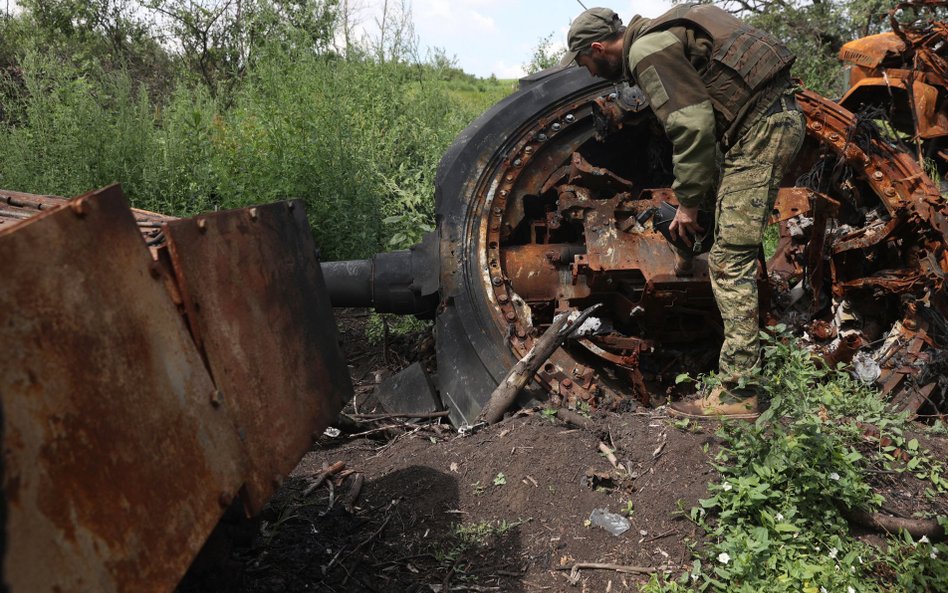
{"type": "Point", "coordinates": [726, 486]}
{"type": "Point", "coordinates": [823, 590]}
{"type": "Point", "coordinates": [933, 555]}
{"type": "Point", "coordinates": [724, 557]}
{"type": "Point", "coordinates": [834, 476]}
{"type": "Point", "coordinates": [849, 589]}
{"type": "Point", "coordinates": [833, 552]}
{"type": "Point", "coordinates": [924, 540]}
{"type": "Point", "coordinates": [779, 516]}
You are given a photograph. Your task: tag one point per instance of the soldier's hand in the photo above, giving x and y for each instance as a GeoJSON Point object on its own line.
{"type": "Point", "coordinates": [685, 225]}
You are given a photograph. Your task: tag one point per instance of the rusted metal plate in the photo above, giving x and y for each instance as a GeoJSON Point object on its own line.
{"type": "Point", "coordinates": [115, 461]}
{"type": "Point", "coordinates": [254, 297]}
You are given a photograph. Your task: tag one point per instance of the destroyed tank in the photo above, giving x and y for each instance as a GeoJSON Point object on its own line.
{"type": "Point", "coordinates": [542, 208]}
{"type": "Point", "coordinates": [901, 76]}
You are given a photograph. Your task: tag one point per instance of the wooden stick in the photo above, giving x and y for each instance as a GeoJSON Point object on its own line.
{"type": "Point", "coordinates": [577, 420]}
{"type": "Point", "coordinates": [889, 524]}
{"type": "Point", "coordinates": [604, 448]}
{"type": "Point", "coordinates": [574, 569]}
{"type": "Point", "coordinates": [518, 377]}
{"type": "Point", "coordinates": [440, 414]}
{"type": "Point", "coordinates": [354, 491]}
{"type": "Point", "coordinates": [321, 476]}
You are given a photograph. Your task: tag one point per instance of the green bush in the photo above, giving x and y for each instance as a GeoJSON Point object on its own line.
{"type": "Point", "coordinates": [358, 141]}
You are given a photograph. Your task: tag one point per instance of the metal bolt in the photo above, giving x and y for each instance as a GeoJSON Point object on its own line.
{"type": "Point", "coordinates": [517, 162]}
{"type": "Point", "coordinates": [502, 298]}
{"type": "Point", "coordinates": [542, 137]}
{"type": "Point", "coordinates": [509, 178]}
{"type": "Point", "coordinates": [528, 149]}
{"type": "Point", "coordinates": [878, 175]}
{"type": "Point", "coordinates": [253, 214]}
{"type": "Point", "coordinates": [503, 193]}
{"type": "Point", "coordinates": [890, 191]}
{"type": "Point", "coordinates": [79, 208]}
{"type": "Point", "coordinates": [834, 136]}
{"type": "Point", "coordinates": [817, 126]}
{"type": "Point", "coordinates": [202, 225]}
{"type": "Point", "coordinates": [510, 316]}
{"type": "Point", "coordinates": [217, 398]}
{"type": "Point", "coordinates": [570, 118]}
{"type": "Point", "coordinates": [566, 383]}
{"type": "Point", "coordinates": [556, 127]}
{"type": "Point", "coordinates": [521, 333]}
{"type": "Point", "coordinates": [496, 281]}
{"type": "Point", "coordinates": [497, 210]}
{"type": "Point", "coordinates": [495, 227]}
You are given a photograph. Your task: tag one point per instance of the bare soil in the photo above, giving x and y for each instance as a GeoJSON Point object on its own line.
{"type": "Point", "coordinates": [505, 509]}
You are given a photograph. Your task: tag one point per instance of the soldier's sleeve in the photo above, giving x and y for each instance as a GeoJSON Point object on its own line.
{"type": "Point", "coordinates": [680, 100]}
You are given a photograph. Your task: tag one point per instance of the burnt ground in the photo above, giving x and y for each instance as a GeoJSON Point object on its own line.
{"type": "Point", "coordinates": [504, 509]}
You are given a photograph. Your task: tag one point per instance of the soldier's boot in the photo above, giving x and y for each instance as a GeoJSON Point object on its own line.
{"type": "Point", "coordinates": [719, 404]}
{"type": "Point", "coordinates": [684, 266]}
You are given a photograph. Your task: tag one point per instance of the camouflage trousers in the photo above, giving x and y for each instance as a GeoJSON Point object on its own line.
{"type": "Point", "coordinates": [750, 176]}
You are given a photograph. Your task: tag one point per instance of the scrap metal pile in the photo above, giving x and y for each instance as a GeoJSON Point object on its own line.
{"type": "Point", "coordinates": [903, 75]}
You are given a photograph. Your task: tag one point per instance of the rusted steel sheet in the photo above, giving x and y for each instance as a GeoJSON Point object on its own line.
{"type": "Point", "coordinates": [253, 294]}
{"type": "Point", "coordinates": [905, 71]}
{"type": "Point", "coordinates": [115, 459]}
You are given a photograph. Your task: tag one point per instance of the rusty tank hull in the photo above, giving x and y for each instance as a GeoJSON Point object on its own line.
{"type": "Point", "coordinates": [541, 208]}
{"type": "Point", "coordinates": [155, 371]}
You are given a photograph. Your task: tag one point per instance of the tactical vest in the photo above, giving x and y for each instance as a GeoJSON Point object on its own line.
{"type": "Point", "coordinates": [743, 59]}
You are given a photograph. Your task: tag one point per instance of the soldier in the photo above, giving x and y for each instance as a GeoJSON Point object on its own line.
{"type": "Point", "coordinates": [723, 93]}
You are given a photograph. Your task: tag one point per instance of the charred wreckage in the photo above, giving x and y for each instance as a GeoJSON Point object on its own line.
{"type": "Point", "coordinates": [543, 207]}
{"type": "Point", "coordinates": [177, 334]}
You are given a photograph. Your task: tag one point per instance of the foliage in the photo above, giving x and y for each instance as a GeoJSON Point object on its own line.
{"type": "Point", "coordinates": [775, 520]}
{"type": "Point", "coordinates": [815, 30]}
{"type": "Point", "coordinates": [545, 55]}
{"type": "Point", "coordinates": [196, 106]}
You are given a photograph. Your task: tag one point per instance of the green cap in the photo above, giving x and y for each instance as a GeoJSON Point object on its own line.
{"type": "Point", "coordinates": [594, 24]}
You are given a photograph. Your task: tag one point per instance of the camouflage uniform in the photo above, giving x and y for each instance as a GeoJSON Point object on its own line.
{"type": "Point", "coordinates": [728, 109]}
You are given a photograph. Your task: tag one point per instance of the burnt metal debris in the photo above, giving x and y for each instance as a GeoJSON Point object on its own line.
{"type": "Point", "coordinates": [142, 392]}
{"type": "Point", "coordinates": [903, 73]}
{"type": "Point", "coordinates": [542, 209]}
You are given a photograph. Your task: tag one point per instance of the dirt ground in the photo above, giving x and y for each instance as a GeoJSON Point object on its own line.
{"type": "Point", "coordinates": [505, 509]}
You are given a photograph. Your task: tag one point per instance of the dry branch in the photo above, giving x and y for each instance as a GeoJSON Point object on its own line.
{"type": "Point", "coordinates": [889, 524]}
{"type": "Point", "coordinates": [518, 377]}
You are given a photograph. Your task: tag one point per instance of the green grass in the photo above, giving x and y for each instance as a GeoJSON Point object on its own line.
{"type": "Point", "coordinates": [775, 522]}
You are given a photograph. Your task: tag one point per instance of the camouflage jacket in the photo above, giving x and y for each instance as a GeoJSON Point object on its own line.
{"type": "Point", "coordinates": [679, 66]}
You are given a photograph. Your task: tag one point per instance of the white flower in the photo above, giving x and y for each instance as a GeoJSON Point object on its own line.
{"type": "Point", "coordinates": [823, 590]}
{"type": "Point", "coordinates": [924, 540]}
{"type": "Point", "coordinates": [833, 553]}
{"type": "Point", "coordinates": [779, 516]}
{"type": "Point", "coordinates": [859, 558]}
{"type": "Point", "coordinates": [726, 486]}
{"type": "Point", "coordinates": [933, 555]}
{"type": "Point", "coordinates": [835, 477]}
{"type": "Point", "coordinates": [724, 557]}
{"type": "Point", "coordinates": [849, 589]}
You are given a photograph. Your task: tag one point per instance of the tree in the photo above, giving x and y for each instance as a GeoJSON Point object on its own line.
{"type": "Point", "coordinates": [545, 55]}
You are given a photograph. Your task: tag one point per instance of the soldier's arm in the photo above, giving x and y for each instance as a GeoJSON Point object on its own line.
{"type": "Point", "coordinates": [679, 99]}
